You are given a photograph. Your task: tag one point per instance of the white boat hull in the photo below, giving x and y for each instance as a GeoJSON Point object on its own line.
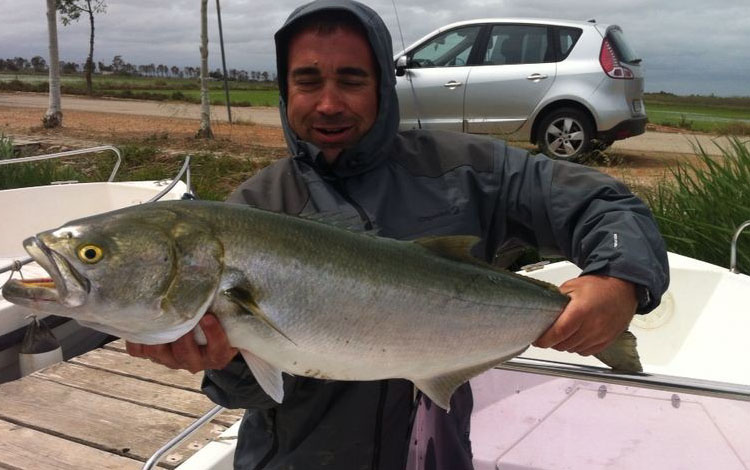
{"type": "Point", "coordinates": [27, 211]}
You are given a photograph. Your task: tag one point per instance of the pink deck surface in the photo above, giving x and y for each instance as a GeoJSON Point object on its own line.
{"type": "Point", "coordinates": [531, 422]}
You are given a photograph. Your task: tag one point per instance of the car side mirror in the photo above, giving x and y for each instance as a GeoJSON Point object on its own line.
{"type": "Point", "coordinates": [402, 64]}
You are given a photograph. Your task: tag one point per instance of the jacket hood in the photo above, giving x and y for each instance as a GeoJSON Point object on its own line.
{"type": "Point", "coordinates": [373, 147]}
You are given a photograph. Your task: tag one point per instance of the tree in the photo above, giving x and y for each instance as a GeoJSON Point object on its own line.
{"type": "Point", "coordinates": [68, 67]}
{"type": "Point", "coordinates": [23, 64]}
{"type": "Point", "coordinates": [205, 129]}
{"type": "Point", "coordinates": [38, 63]}
{"type": "Point", "coordinates": [118, 65]}
{"type": "Point", "coordinates": [53, 117]}
{"type": "Point", "coordinates": [71, 10]}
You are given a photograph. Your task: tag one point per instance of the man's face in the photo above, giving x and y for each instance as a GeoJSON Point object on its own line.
{"type": "Point", "coordinates": [332, 96]}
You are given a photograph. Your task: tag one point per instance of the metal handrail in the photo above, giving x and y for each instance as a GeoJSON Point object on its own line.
{"type": "Point", "coordinates": [733, 249]}
{"type": "Point", "coordinates": [177, 440]}
{"type": "Point", "coordinates": [70, 153]}
{"type": "Point", "coordinates": [185, 170]}
{"type": "Point", "coordinates": [707, 388]}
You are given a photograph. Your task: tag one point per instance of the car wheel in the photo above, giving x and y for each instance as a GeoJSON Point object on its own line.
{"type": "Point", "coordinates": [565, 134]}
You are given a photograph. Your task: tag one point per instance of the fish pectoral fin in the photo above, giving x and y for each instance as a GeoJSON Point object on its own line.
{"type": "Point", "coordinates": [269, 377]}
{"type": "Point", "coordinates": [622, 354]}
{"type": "Point", "coordinates": [244, 299]}
{"type": "Point", "coordinates": [440, 388]}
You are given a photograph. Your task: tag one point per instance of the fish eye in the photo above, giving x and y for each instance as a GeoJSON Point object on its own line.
{"type": "Point", "coordinates": [90, 254]}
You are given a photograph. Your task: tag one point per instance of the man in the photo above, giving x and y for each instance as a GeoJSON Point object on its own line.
{"type": "Point", "coordinates": [340, 116]}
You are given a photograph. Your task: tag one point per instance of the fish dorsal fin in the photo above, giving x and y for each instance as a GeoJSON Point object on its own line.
{"type": "Point", "coordinates": [455, 247]}
{"type": "Point", "coordinates": [458, 248]}
{"type": "Point", "coordinates": [268, 377]}
{"type": "Point", "coordinates": [440, 388]}
{"type": "Point", "coordinates": [351, 222]}
{"type": "Point", "coordinates": [244, 299]}
{"type": "Point", "coordinates": [622, 355]}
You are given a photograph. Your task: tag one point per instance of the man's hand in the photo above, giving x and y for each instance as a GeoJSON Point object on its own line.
{"type": "Point", "coordinates": [600, 308]}
{"type": "Point", "coordinates": [186, 354]}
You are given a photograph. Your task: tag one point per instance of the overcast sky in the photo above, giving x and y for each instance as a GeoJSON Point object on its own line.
{"type": "Point", "coordinates": [688, 46]}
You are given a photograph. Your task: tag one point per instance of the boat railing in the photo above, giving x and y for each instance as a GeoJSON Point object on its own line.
{"type": "Point", "coordinates": [709, 388]}
{"type": "Point", "coordinates": [70, 153]}
{"type": "Point", "coordinates": [16, 265]}
{"type": "Point", "coordinates": [733, 249]}
{"type": "Point", "coordinates": [178, 439]}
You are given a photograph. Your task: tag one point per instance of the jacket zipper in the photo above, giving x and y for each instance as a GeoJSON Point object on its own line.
{"type": "Point", "coordinates": [339, 187]}
{"type": "Point", "coordinates": [377, 440]}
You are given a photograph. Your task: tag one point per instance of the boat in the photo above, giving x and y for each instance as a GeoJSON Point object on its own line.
{"type": "Point", "coordinates": [549, 410]}
{"type": "Point", "coordinates": [27, 211]}
{"type": "Point", "coordinates": [689, 409]}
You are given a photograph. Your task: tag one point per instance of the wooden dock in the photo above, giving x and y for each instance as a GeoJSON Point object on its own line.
{"type": "Point", "coordinates": [102, 410]}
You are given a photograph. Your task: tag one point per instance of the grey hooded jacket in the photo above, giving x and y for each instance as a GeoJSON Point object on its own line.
{"type": "Point", "coordinates": [409, 185]}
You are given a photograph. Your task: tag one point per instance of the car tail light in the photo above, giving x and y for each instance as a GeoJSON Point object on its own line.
{"type": "Point", "coordinates": [611, 64]}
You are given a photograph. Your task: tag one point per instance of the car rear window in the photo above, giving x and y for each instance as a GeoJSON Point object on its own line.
{"type": "Point", "coordinates": [568, 38]}
{"type": "Point", "coordinates": [624, 52]}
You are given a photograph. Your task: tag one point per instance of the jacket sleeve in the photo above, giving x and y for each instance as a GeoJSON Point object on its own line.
{"type": "Point", "coordinates": [582, 214]}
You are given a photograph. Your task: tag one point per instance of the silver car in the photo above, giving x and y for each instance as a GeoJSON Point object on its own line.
{"type": "Point", "coordinates": [559, 84]}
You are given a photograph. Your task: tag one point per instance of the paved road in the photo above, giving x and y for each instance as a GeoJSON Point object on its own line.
{"type": "Point", "coordinates": [649, 142]}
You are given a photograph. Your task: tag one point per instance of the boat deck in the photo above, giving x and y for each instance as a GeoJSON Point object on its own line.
{"type": "Point", "coordinates": [104, 410]}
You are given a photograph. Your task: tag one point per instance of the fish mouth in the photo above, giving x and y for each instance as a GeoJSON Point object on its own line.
{"type": "Point", "coordinates": [64, 286]}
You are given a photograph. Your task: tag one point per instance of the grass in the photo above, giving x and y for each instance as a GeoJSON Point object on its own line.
{"type": "Point", "coordinates": [30, 174]}
{"type": "Point", "coordinates": [149, 88]}
{"type": "Point", "coordinates": [213, 177]}
{"type": "Point", "coordinates": [709, 198]}
{"type": "Point", "coordinates": [217, 97]}
{"type": "Point", "coordinates": [715, 115]}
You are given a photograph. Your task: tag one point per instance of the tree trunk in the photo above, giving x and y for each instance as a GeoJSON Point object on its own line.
{"type": "Point", "coordinates": [53, 117]}
{"type": "Point", "coordinates": [89, 68]}
{"type": "Point", "coordinates": [205, 129]}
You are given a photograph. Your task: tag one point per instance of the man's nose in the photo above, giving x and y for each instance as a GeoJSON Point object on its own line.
{"type": "Point", "coordinates": [331, 100]}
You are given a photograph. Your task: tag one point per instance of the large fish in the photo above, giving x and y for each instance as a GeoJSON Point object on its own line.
{"type": "Point", "coordinates": [294, 295]}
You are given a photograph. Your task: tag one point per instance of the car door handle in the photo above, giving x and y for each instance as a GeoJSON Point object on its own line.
{"type": "Point", "coordinates": [536, 76]}
{"type": "Point", "coordinates": [452, 84]}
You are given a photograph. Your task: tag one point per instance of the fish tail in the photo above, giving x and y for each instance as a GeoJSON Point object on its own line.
{"type": "Point", "coordinates": [622, 354]}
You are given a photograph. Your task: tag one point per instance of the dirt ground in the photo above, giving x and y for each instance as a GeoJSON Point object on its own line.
{"type": "Point", "coordinates": [177, 135]}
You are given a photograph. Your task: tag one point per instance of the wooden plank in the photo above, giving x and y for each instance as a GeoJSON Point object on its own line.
{"type": "Point", "coordinates": [117, 345]}
{"type": "Point", "coordinates": [25, 449]}
{"type": "Point", "coordinates": [185, 402]}
{"type": "Point", "coordinates": [105, 423]}
{"type": "Point", "coordinates": [122, 363]}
